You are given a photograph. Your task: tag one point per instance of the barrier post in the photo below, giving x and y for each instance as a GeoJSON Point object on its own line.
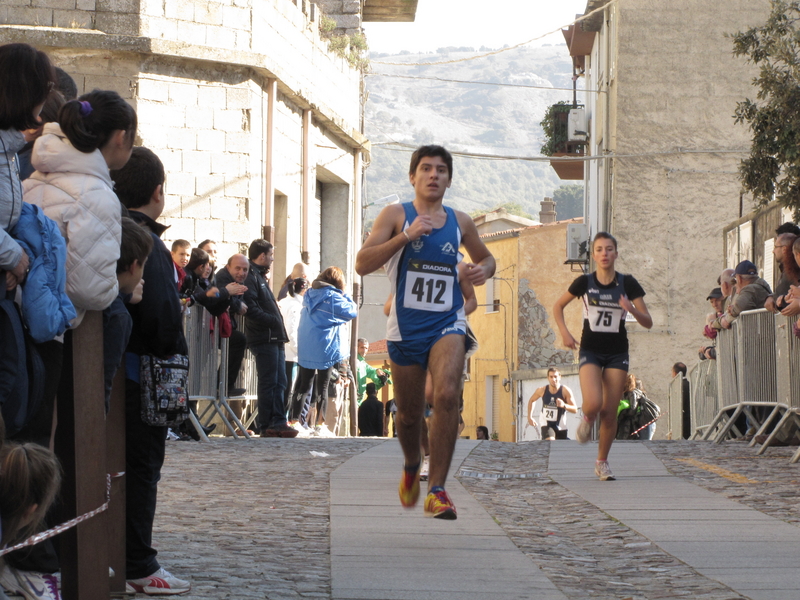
{"type": "Point", "coordinates": [82, 449]}
{"type": "Point", "coordinates": [115, 444]}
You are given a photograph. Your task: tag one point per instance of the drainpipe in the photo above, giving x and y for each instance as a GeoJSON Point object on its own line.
{"type": "Point", "coordinates": [306, 183]}
{"type": "Point", "coordinates": [269, 188]}
{"type": "Point", "coordinates": [355, 240]}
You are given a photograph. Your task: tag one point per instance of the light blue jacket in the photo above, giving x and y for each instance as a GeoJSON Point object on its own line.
{"type": "Point", "coordinates": [46, 308]}
{"type": "Point", "coordinates": [11, 141]}
{"type": "Point", "coordinates": [325, 310]}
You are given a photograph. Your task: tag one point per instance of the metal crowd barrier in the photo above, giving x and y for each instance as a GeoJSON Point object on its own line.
{"type": "Point", "coordinates": [675, 409]}
{"type": "Point", "coordinates": [704, 396]}
{"type": "Point", "coordinates": [208, 372]}
{"type": "Point", "coordinates": [758, 376]}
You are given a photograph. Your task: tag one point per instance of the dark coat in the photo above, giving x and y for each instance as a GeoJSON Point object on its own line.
{"type": "Point", "coordinates": [263, 323]}
{"type": "Point", "coordinates": [157, 320]}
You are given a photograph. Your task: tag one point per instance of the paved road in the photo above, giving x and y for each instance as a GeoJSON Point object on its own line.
{"type": "Point", "coordinates": [270, 519]}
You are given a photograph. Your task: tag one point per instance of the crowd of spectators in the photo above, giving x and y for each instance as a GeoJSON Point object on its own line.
{"type": "Point", "coordinates": [80, 232]}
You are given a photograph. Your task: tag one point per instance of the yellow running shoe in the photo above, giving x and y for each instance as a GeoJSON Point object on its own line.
{"type": "Point", "coordinates": [439, 506]}
{"type": "Point", "coordinates": [409, 486]}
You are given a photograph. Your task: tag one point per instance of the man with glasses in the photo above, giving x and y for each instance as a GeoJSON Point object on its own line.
{"type": "Point", "coordinates": [790, 271]}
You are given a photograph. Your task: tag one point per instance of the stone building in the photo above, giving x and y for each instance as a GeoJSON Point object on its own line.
{"type": "Point", "coordinates": [663, 154]}
{"type": "Point", "coordinates": [257, 122]}
{"type": "Point", "coordinates": [514, 324]}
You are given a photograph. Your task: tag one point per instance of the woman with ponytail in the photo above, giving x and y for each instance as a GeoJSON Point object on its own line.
{"type": "Point", "coordinates": [72, 184]}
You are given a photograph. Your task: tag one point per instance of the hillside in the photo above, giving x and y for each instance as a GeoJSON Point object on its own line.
{"type": "Point", "coordinates": [486, 119]}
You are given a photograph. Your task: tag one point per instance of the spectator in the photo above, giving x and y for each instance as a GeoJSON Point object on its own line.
{"type": "Point", "coordinates": [73, 187]}
{"type": "Point", "coordinates": [26, 77]}
{"type": "Point", "coordinates": [298, 272]}
{"type": "Point", "coordinates": [338, 389]}
{"type": "Point", "coordinates": [389, 416]}
{"type": "Point", "coordinates": [266, 336]}
{"type": "Point", "coordinates": [30, 477]}
{"type": "Point", "coordinates": [365, 371]}
{"type": "Point", "coordinates": [326, 308]}
{"type": "Point", "coordinates": [134, 251]}
{"type": "Point", "coordinates": [481, 432]}
{"type": "Point", "coordinates": [790, 271]}
{"type": "Point", "coordinates": [181, 253]}
{"type": "Point", "coordinates": [717, 302]}
{"type": "Point", "coordinates": [49, 114]}
{"type": "Point", "coordinates": [235, 271]}
{"type": "Point", "coordinates": [210, 247]}
{"type": "Point", "coordinates": [158, 332]}
{"type": "Point", "coordinates": [291, 307]}
{"type": "Point", "coordinates": [196, 287]}
{"type": "Point", "coordinates": [752, 292]}
{"type": "Point", "coordinates": [792, 298]}
{"type": "Point", "coordinates": [370, 414]}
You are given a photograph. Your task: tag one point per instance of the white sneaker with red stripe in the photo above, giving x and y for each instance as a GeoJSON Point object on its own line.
{"type": "Point", "coordinates": [160, 583]}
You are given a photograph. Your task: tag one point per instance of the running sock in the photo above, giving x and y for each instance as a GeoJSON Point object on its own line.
{"type": "Point", "coordinates": [435, 489]}
{"type": "Point", "coordinates": [411, 469]}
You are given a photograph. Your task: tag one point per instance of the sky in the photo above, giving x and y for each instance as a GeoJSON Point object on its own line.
{"type": "Point", "coordinates": [441, 23]}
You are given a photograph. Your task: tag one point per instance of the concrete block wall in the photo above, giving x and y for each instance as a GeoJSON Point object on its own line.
{"type": "Point", "coordinates": [668, 211]}
{"type": "Point", "coordinates": [346, 13]}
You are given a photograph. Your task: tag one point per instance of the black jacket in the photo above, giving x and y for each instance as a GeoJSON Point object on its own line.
{"type": "Point", "coordinates": [195, 288]}
{"type": "Point", "coordinates": [263, 322]}
{"type": "Point", "coordinates": [157, 321]}
{"type": "Point", "coordinates": [223, 278]}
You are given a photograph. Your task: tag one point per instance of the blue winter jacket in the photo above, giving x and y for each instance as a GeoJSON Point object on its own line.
{"type": "Point", "coordinates": [46, 308]}
{"type": "Point", "coordinates": [325, 310]}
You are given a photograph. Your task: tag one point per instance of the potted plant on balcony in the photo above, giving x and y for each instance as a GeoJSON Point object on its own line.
{"type": "Point", "coordinates": [557, 144]}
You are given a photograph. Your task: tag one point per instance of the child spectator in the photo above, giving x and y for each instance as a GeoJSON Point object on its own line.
{"type": "Point", "coordinates": [73, 187]}
{"type": "Point", "coordinates": [291, 307]}
{"type": "Point", "coordinates": [30, 476]}
{"type": "Point", "coordinates": [134, 250]}
{"type": "Point", "coordinates": [181, 253]}
{"type": "Point", "coordinates": [157, 331]}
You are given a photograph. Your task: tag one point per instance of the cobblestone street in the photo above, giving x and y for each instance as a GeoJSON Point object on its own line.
{"type": "Point", "coordinates": [252, 519]}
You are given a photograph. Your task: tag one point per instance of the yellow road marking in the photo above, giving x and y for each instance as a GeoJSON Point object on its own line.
{"type": "Point", "coordinates": [717, 470]}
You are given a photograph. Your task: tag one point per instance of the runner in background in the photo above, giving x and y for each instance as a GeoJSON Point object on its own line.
{"type": "Point", "coordinates": [557, 401]}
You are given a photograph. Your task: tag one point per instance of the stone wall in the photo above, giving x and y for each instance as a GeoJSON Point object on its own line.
{"type": "Point", "coordinates": [346, 13]}
{"type": "Point", "coordinates": [537, 336]}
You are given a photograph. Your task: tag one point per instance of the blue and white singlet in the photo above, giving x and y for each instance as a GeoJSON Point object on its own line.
{"type": "Point", "coordinates": [424, 278]}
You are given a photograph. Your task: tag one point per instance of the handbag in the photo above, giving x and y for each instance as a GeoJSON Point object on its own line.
{"type": "Point", "coordinates": [225, 325]}
{"type": "Point", "coordinates": [165, 395]}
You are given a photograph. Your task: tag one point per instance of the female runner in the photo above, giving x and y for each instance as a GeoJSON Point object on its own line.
{"type": "Point", "coordinates": [608, 297]}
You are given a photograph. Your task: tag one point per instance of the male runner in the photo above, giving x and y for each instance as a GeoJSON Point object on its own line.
{"type": "Point", "coordinates": [556, 402]}
{"type": "Point", "coordinates": [418, 242]}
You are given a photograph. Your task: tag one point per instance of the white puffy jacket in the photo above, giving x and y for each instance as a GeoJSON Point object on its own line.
{"type": "Point", "coordinates": [75, 190]}
{"type": "Point", "coordinates": [291, 307]}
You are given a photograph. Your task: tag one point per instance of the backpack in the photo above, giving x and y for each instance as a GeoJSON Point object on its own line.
{"type": "Point", "coordinates": [22, 372]}
{"type": "Point", "coordinates": [647, 411]}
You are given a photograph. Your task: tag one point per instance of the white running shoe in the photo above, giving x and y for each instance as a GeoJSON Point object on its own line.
{"type": "Point", "coordinates": [30, 584]}
{"type": "Point", "coordinates": [603, 471]}
{"type": "Point", "coordinates": [423, 474]}
{"type": "Point", "coordinates": [584, 432]}
{"type": "Point", "coordinates": [160, 583]}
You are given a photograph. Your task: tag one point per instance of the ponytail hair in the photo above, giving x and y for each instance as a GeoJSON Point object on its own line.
{"type": "Point", "coordinates": [30, 475]}
{"type": "Point", "coordinates": [89, 121]}
{"type": "Point", "coordinates": [297, 285]}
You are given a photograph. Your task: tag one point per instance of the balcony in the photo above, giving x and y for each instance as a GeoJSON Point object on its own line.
{"type": "Point", "coordinates": [558, 145]}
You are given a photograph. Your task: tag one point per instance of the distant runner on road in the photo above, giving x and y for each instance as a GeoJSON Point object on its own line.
{"type": "Point", "coordinates": [607, 297]}
{"type": "Point", "coordinates": [419, 244]}
{"type": "Point", "coordinates": [557, 401]}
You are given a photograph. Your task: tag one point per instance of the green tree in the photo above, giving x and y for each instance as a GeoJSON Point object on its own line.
{"type": "Point", "coordinates": [569, 201]}
{"type": "Point", "coordinates": [772, 170]}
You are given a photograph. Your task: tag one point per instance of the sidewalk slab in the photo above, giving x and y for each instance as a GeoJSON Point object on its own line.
{"type": "Point", "coordinates": [748, 551]}
{"type": "Point", "coordinates": [380, 551]}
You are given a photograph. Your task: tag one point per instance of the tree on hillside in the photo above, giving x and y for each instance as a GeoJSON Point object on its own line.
{"type": "Point", "coordinates": [569, 201]}
{"type": "Point", "coordinates": [772, 170]}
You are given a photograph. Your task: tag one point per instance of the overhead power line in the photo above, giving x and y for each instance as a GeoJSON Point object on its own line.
{"type": "Point", "coordinates": [514, 85]}
{"type": "Point", "coordinates": [493, 52]}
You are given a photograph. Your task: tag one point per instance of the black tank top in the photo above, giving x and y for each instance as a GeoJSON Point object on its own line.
{"type": "Point", "coordinates": [550, 411]}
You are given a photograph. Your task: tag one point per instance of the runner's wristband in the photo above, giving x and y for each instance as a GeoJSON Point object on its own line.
{"type": "Point", "coordinates": [405, 233]}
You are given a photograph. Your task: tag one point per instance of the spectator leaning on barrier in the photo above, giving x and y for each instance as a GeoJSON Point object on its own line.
{"type": "Point", "coordinates": [235, 271]}
{"type": "Point", "coordinates": [370, 414]}
{"type": "Point", "coordinates": [157, 331]}
{"type": "Point", "coordinates": [717, 301]}
{"type": "Point", "coordinates": [752, 292]}
{"type": "Point", "coordinates": [790, 271]}
{"type": "Point", "coordinates": [266, 336]}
